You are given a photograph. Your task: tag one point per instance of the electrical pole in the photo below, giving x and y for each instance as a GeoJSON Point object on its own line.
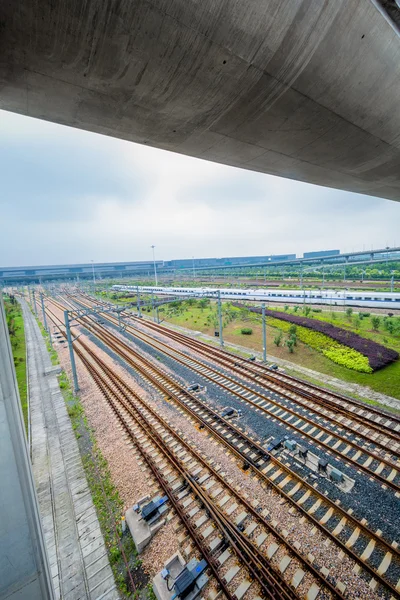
{"type": "Point", "coordinates": [138, 301]}
{"type": "Point", "coordinates": [44, 313]}
{"type": "Point", "coordinates": [152, 304]}
{"type": "Point", "coordinates": [264, 330]}
{"type": "Point", "coordinates": [71, 352]}
{"type": "Point", "coordinates": [94, 278]}
{"type": "Point", "coordinates": [392, 282]}
{"type": "Point", "coordinates": [194, 272]}
{"type": "Point", "coordinates": [34, 302]}
{"type": "Point", "coordinates": [221, 341]}
{"type": "Point", "coordinates": [154, 262]}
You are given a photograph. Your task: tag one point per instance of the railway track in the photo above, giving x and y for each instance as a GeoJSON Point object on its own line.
{"type": "Point", "coordinates": [385, 439]}
{"type": "Point", "coordinates": [335, 522]}
{"type": "Point", "coordinates": [220, 521]}
{"type": "Point", "coordinates": [355, 453]}
{"type": "Point", "coordinates": [379, 421]}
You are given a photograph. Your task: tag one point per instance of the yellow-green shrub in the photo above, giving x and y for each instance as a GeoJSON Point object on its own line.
{"type": "Point", "coordinates": [347, 357]}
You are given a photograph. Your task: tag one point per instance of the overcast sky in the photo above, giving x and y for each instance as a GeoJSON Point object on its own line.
{"type": "Point", "coordinates": [68, 196]}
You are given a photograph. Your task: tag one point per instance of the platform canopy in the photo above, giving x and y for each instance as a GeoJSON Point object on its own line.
{"type": "Point", "coordinates": [304, 89]}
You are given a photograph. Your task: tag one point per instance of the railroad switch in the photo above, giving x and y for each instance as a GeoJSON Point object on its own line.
{"type": "Point", "coordinates": [194, 387]}
{"type": "Point", "coordinates": [302, 452]}
{"type": "Point", "coordinates": [322, 465]}
{"type": "Point", "coordinates": [180, 580]}
{"type": "Point", "coordinates": [230, 413]}
{"type": "Point", "coordinates": [145, 518]}
{"type": "Point", "coordinates": [153, 509]}
{"type": "Point", "coordinates": [275, 444]}
{"type": "Point", "coordinates": [186, 581]}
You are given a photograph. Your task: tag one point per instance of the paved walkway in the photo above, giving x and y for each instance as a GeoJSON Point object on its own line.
{"type": "Point", "coordinates": [75, 545]}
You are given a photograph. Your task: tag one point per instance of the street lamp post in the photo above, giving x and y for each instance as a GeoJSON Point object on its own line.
{"type": "Point", "coordinates": [194, 272]}
{"type": "Point", "coordinates": [154, 262]}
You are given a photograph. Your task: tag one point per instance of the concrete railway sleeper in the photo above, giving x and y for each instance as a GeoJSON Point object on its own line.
{"type": "Point", "coordinates": [205, 484]}
{"type": "Point", "coordinates": [287, 483]}
{"type": "Point", "coordinates": [195, 475]}
{"type": "Point", "coordinates": [391, 445]}
{"type": "Point", "coordinates": [353, 409]}
{"type": "Point", "coordinates": [261, 376]}
{"type": "Point", "coordinates": [385, 472]}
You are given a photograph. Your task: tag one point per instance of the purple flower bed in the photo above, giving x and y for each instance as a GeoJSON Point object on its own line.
{"type": "Point", "coordinates": [378, 356]}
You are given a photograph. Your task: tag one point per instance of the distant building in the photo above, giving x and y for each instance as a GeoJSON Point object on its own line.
{"type": "Point", "coordinates": [321, 253]}
{"type": "Point", "coordinates": [187, 263]}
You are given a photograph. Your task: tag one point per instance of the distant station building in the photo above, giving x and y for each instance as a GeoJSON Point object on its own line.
{"type": "Point", "coordinates": [321, 253]}
{"type": "Point", "coordinates": [187, 263]}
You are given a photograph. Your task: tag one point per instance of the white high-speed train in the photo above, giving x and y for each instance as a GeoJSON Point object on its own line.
{"type": "Point", "coordinates": [366, 299]}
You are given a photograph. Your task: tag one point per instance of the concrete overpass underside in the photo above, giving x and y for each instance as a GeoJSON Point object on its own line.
{"type": "Point", "coordinates": [304, 89]}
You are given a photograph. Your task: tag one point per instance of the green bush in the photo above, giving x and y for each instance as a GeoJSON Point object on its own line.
{"type": "Point", "coordinates": [246, 331]}
{"type": "Point", "coordinates": [290, 343]}
{"type": "Point", "coordinates": [375, 322]}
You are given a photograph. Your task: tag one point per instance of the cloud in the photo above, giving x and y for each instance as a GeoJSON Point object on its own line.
{"type": "Point", "coordinates": [71, 196]}
{"type": "Point", "coordinates": [228, 194]}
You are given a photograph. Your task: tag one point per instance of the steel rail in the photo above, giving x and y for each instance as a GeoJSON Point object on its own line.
{"type": "Point", "coordinates": [155, 380]}
{"type": "Point", "coordinates": [348, 459]}
{"type": "Point", "coordinates": [246, 550]}
{"type": "Point", "coordinates": [279, 377]}
{"type": "Point", "coordinates": [258, 370]}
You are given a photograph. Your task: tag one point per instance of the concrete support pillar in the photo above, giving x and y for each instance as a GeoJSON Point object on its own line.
{"type": "Point", "coordinates": [24, 568]}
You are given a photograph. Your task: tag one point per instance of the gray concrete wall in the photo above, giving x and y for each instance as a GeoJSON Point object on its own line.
{"type": "Point", "coordinates": [24, 572]}
{"type": "Point", "coordinates": [304, 89]}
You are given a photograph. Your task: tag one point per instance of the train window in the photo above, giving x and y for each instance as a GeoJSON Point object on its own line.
{"type": "Point", "coordinates": [349, 297]}
{"type": "Point", "coordinates": [388, 299]}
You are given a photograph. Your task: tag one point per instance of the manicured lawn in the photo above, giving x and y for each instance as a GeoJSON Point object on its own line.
{"type": "Point", "coordinates": [17, 335]}
{"type": "Point", "coordinates": [386, 380]}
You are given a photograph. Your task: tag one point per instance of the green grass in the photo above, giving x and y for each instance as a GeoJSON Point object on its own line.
{"type": "Point", "coordinates": [16, 329]}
